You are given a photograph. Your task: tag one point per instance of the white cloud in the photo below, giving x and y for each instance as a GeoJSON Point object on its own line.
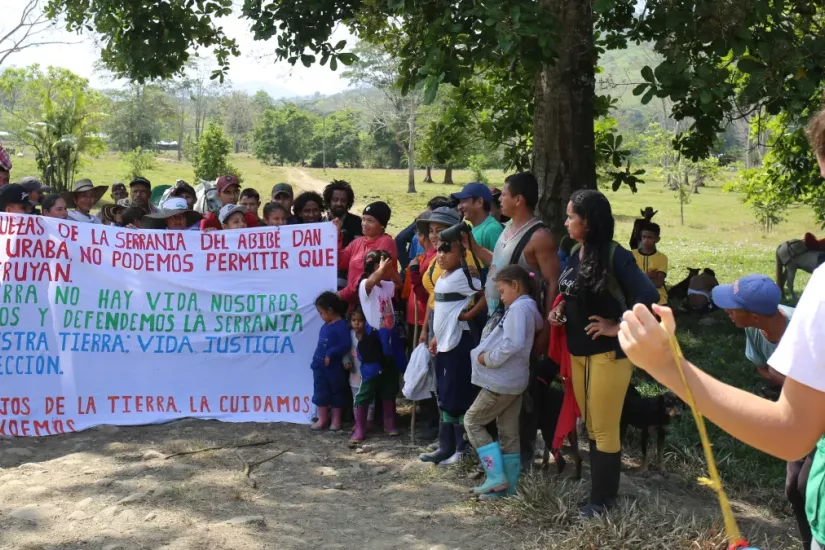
{"type": "Point", "coordinates": [255, 69]}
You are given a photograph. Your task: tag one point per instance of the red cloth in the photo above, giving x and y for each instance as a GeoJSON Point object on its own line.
{"type": "Point", "coordinates": [812, 244]}
{"type": "Point", "coordinates": [569, 409]}
{"type": "Point", "coordinates": [351, 260]}
{"type": "Point", "coordinates": [211, 220]}
{"type": "Point", "coordinates": [419, 295]}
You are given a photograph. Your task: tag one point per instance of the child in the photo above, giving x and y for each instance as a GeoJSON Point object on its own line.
{"type": "Point", "coordinates": [232, 216]}
{"type": "Point", "coordinates": [418, 295]}
{"type": "Point", "coordinates": [358, 324]}
{"type": "Point", "coordinates": [328, 373]}
{"type": "Point", "coordinates": [501, 368]}
{"type": "Point", "coordinates": [251, 200]}
{"type": "Point", "coordinates": [228, 190]}
{"type": "Point", "coordinates": [379, 374]}
{"type": "Point", "coordinates": [650, 261]}
{"type": "Point", "coordinates": [275, 214]}
{"type": "Point", "coordinates": [451, 347]}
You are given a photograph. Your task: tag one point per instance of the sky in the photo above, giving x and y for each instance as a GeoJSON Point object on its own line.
{"type": "Point", "coordinates": [254, 70]}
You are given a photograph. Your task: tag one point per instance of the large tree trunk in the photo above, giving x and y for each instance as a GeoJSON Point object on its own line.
{"type": "Point", "coordinates": [429, 177]}
{"type": "Point", "coordinates": [563, 141]}
{"type": "Point", "coordinates": [448, 175]}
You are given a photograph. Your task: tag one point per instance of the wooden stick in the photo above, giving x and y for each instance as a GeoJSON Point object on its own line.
{"type": "Point", "coordinates": [221, 448]}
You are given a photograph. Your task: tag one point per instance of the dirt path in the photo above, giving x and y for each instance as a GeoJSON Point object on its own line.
{"type": "Point", "coordinates": [304, 180]}
{"type": "Point", "coordinates": [112, 488]}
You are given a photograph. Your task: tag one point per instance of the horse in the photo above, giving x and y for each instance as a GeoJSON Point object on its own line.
{"type": "Point", "coordinates": [790, 256]}
{"type": "Point", "coordinates": [206, 194]}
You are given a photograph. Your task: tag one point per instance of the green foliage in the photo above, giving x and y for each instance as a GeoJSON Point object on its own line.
{"type": "Point", "coordinates": [337, 138]}
{"type": "Point", "coordinates": [139, 162]}
{"type": "Point", "coordinates": [477, 164]}
{"type": "Point", "coordinates": [284, 135]}
{"type": "Point", "coordinates": [138, 117]}
{"type": "Point", "coordinates": [55, 113]}
{"type": "Point", "coordinates": [767, 200]}
{"type": "Point", "coordinates": [210, 162]}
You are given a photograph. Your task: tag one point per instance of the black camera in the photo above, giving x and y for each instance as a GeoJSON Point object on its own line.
{"type": "Point", "coordinates": [454, 233]}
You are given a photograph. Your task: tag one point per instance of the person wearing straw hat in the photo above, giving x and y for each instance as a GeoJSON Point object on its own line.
{"type": "Point", "coordinates": [173, 214]}
{"type": "Point", "coordinates": [111, 214]}
{"type": "Point", "coordinates": [82, 198]}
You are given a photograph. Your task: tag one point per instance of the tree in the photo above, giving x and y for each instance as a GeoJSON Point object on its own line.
{"type": "Point", "coordinates": [139, 162]}
{"type": "Point", "coordinates": [397, 109]}
{"type": "Point", "coordinates": [25, 32]}
{"type": "Point", "coordinates": [139, 115]}
{"type": "Point", "coordinates": [237, 109]}
{"type": "Point", "coordinates": [283, 135]}
{"type": "Point", "coordinates": [336, 140]}
{"type": "Point", "coordinates": [210, 162]}
{"type": "Point", "coordinates": [57, 114]}
{"type": "Point", "coordinates": [261, 101]}
{"type": "Point", "coordinates": [718, 60]}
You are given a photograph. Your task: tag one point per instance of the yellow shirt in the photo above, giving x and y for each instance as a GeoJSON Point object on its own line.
{"type": "Point", "coordinates": [429, 282]}
{"type": "Point", "coordinates": [653, 262]}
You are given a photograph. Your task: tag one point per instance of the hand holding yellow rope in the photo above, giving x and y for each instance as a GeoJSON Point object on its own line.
{"type": "Point", "coordinates": [735, 540]}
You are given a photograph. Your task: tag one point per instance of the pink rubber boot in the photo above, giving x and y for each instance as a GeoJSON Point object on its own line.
{"type": "Point", "coordinates": [389, 418]}
{"type": "Point", "coordinates": [360, 426]}
{"type": "Point", "coordinates": [335, 426]}
{"type": "Point", "coordinates": [323, 419]}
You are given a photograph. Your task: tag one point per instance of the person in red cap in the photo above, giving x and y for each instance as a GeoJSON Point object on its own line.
{"type": "Point", "coordinates": [229, 190]}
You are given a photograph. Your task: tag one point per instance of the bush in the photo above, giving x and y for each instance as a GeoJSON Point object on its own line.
{"type": "Point", "coordinates": [210, 161]}
{"type": "Point", "coordinates": [139, 162]}
{"type": "Point", "coordinates": [477, 164]}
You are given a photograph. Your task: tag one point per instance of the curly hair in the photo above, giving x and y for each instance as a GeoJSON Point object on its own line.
{"type": "Point", "coordinates": [338, 185]}
{"type": "Point", "coordinates": [302, 200]}
{"type": "Point", "coordinates": [594, 274]}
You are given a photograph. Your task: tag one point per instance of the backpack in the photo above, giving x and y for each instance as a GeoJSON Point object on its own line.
{"type": "Point", "coordinates": [613, 285]}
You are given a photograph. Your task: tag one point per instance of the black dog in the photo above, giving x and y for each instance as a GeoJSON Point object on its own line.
{"type": "Point", "coordinates": [650, 413]}
{"type": "Point", "coordinates": [547, 401]}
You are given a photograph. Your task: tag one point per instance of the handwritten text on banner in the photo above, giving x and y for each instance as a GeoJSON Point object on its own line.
{"type": "Point", "coordinates": [105, 325]}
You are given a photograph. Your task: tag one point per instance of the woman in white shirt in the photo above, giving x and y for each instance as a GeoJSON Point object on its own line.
{"type": "Point", "coordinates": [82, 198]}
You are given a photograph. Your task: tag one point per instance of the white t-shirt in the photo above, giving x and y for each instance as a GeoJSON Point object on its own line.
{"type": "Point", "coordinates": [446, 326]}
{"type": "Point", "coordinates": [801, 352]}
{"type": "Point", "coordinates": [378, 310]}
{"type": "Point", "coordinates": [78, 216]}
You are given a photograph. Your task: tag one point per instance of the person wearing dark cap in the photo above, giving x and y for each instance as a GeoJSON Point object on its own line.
{"type": "Point", "coordinates": [185, 191]}
{"type": "Point", "coordinates": [35, 188]}
{"type": "Point", "coordinates": [82, 198]}
{"type": "Point", "coordinates": [119, 192]}
{"type": "Point", "coordinates": [14, 199]}
{"type": "Point", "coordinates": [639, 224]}
{"type": "Point", "coordinates": [140, 189]}
{"type": "Point", "coordinates": [374, 222]}
{"type": "Point", "coordinates": [283, 194]}
{"type": "Point", "coordinates": [229, 190]}
{"type": "Point", "coordinates": [475, 202]}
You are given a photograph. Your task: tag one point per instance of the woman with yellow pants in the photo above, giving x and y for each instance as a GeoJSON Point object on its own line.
{"type": "Point", "coordinates": [600, 282]}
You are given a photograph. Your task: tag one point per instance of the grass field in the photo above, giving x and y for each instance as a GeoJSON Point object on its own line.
{"type": "Point", "coordinates": [719, 233]}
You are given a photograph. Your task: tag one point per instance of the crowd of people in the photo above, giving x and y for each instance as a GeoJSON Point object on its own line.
{"type": "Point", "coordinates": [480, 282]}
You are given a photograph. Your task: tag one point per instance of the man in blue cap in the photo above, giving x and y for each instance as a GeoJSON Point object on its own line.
{"type": "Point", "coordinates": [752, 303]}
{"type": "Point", "coordinates": [475, 204]}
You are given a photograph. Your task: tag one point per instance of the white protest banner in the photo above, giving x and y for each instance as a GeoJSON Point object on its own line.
{"type": "Point", "coordinates": [106, 325]}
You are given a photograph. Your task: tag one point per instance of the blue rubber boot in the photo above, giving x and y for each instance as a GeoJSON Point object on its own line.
{"type": "Point", "coordinates": [512, 471]}
{"type": "Point", "coordinates": [493, 463]}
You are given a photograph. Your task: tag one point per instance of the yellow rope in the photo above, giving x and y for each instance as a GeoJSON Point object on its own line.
{"type": "Point", "coordinates": [715, 482]}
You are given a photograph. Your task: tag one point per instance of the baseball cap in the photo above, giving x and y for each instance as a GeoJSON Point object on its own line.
{"type": "Point", "coordinates": [754, 293]}
{"type": "Point", "coordinates": [282, 188]}
{"type": "Point", "coordinates": [31, 183]}
{"type": "Point", "coordinates": [228, 210]}
{"type": "Point", "coordinates": [474, 190]}
{"type": "Point", "coordinates": [141, 181]}
{"type": "Point", "coordinates": [118, 187]}
{"type": "Point", "coordinates": [13, 193]}
{"type": "Point", "coordinates": [226, 181]}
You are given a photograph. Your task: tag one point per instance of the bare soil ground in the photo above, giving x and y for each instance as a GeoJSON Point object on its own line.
{"type": "Point", "coordinates": [110, 488]}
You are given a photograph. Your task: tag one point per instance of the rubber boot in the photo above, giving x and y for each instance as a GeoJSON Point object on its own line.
{"type": "Point", "coordinates": [323, 419]}
{"type": "Point", "coordinates": [512, 470]}
{"type": "Point", "coordinates": [493, 463]}
{"type": "Point", "coordinates": [335, 425]}
{"type": "Point", "coordinates": [389, 418]}
{"type": "Point", "coordinates": [446, 445]}
{"type": "Point", "coordinates": [360, 425]}
{"type": "Point", "coordinates": [592, 447]}
{"type": "Point", "coordinates": [460, 447]}
{"type": "Point", "coordinates": [605, 472]}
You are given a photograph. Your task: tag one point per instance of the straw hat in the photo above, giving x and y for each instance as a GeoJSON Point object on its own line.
{"type": "Point", "coordinates": [170, 207]}
{"type": "Point", "coordinates": [81, 187]}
